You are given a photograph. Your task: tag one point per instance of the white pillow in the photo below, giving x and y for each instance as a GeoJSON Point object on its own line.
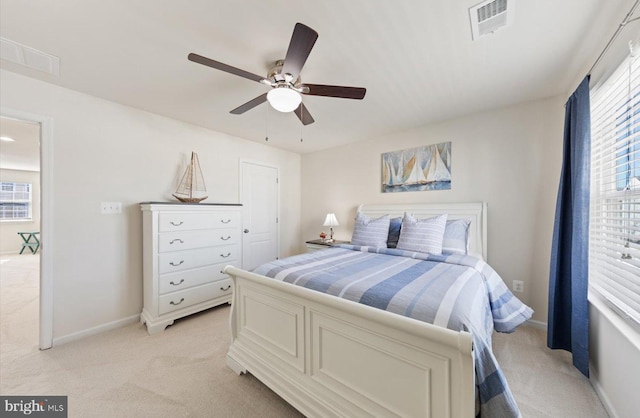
{"type": "Point", "coordinates": [370, 232]}
{"type": "Point", "coordinates": [456, 236]}
{"type": "Point", "coordinates": [422, 235]}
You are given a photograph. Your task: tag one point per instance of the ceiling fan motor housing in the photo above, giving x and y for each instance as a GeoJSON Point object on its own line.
{"type": "Point", "coordinates": [275, 74]}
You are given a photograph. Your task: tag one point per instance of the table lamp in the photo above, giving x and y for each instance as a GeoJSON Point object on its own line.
{"type": "Point", "coordinates": [331, 221]}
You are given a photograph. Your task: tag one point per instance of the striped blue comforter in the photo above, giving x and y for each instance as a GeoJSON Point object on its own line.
{"type": "Point", "coordinates": [459, 292]}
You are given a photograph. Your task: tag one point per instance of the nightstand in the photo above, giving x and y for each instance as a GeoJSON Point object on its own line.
{"type": "Point", "coordinates": [318, 244]}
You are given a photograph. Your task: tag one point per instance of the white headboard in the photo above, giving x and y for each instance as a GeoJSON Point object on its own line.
{"type": "Point", "coordinates": [476, 212]}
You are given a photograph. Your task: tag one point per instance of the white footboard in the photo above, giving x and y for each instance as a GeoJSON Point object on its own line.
{"type": "Point", "coordinates": [330, 357]}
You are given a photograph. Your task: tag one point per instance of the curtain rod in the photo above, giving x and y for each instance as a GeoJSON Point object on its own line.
{"type": "Point", "coordinates": [624, 22]}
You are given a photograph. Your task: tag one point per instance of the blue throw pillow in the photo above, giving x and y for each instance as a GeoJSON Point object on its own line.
{"type": "Point", "coordinates": [394, 232]}
{"type": "Point", "coordinates": [456, 236]}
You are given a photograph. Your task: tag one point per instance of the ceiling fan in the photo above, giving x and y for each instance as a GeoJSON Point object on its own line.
{"type": "Point", "coordinates": [284, 78]}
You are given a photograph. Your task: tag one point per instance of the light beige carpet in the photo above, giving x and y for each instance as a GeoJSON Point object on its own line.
{"type": "Point", "coordinates": [543, 381]}
{"type": "Point", "coordinates": [182, 372]}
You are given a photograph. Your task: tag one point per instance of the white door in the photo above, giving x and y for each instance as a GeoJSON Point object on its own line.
{"type": "Point", "coordinates": [259, 198]}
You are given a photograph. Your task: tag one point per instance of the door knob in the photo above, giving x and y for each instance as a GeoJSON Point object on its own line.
{"type": "Point", "coordinates": [246, 231]}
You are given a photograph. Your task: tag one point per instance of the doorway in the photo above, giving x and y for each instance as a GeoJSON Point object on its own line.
{"type": "Point", "coordinates": [25, 163]}
{"type": "Point", "coordinates": [259, 195]}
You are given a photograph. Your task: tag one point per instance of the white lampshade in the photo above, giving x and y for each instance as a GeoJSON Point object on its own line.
{"type": "Point", "coordinates": [284, 99]}
{"type": "Point", "coordinates": [331, 220]}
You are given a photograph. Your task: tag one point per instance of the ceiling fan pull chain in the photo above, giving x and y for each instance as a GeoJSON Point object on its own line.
{"type": "Point", "coordinates": [302, 124]}
{"type": "Point", "coordinates": [266, 118]}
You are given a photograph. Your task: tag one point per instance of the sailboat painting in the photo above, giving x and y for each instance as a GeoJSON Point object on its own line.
{"type": "Point", "coordinates": [417, 169]}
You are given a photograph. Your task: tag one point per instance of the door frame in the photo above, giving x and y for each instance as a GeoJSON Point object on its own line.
{"type": "Point", "coordinates": [46, 221]}
{"type": "Point", "coordinates": [241, 163]}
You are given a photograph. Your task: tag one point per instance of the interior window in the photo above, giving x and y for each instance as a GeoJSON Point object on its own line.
{"type": "Point", "coordinates": [15, 201]}
{"type": "Point", "coordinates": [614, 240]}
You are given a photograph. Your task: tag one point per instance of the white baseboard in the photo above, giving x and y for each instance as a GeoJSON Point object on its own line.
{"type": "Point", "coordinates": [96, 330]}
{"type": "Point", "coordinates": [537, 324]}
{"type": "Point", "coordinates": [608, 406]}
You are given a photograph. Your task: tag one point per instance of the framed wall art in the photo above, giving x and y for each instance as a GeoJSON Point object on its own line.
{"type": "Point", "coordinates": [417, 169]}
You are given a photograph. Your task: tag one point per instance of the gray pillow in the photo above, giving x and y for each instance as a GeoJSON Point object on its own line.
{"type": "Point", "coordinates": [370, 232]}
{"type": "Point", "coordinates": [422, 235]}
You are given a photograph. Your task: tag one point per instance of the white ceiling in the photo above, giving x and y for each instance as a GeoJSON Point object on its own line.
{"type": "Point", "coordinates": [415, 57]}
{"type": "Point", "coordinates": [24, 152]}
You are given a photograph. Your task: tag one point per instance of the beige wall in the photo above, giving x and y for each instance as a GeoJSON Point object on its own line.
{"type": "Point", "coordinates": [509, 158]}
{"type": "Point", "coordinates": [10, 242]}
{"type": "Point", "coordinates": [103, 151]}
{"type": "Point", "coordinates": [614, 357]}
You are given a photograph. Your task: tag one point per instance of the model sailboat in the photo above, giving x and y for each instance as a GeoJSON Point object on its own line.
{"type": "Point", "coordinates": [192, 188]}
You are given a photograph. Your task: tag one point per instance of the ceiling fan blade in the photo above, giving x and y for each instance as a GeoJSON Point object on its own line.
{"type": "Point", "coordinates": [250, 104]}
{"type": "Point", "coordinates": [300, 46]}
{"type": "Point", "coordinates": [335, 91]}
{"type": "Point", "coordinates": [303, 114]}
{"type": "Point", "coordinates": [224, 67]}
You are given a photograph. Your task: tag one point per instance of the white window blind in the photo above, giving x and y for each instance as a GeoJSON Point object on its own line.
{"type": "Point", "coordinates": [614, 239]}
{"type": "Point", "coordinates": [15, 201]}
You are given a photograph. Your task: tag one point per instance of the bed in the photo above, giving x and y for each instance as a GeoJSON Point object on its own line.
{"type": "Point", "coordinates": [316, 329]}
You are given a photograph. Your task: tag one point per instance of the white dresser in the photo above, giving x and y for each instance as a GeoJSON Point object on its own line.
{"type": "Point", "coordinates": [185, 248]}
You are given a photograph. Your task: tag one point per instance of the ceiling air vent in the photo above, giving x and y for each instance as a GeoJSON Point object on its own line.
{"type": "Point", "coordinates": [29, 57]}
{"type": "Point", "coordinates": [489, 16]}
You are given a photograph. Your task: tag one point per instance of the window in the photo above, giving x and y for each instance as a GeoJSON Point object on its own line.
{"type": "Point", "coordinates": [614, 238]}
{"type": "Point", "coordinates": [15, 201]}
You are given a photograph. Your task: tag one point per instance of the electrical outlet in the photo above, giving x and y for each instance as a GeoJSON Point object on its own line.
{"type": "Point", "coordinates": [110, 208]}
{"type": "Point", "coordinates": [518, 286]}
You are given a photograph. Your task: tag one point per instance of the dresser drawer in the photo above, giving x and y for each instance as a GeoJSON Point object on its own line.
{"type": "Point", "coordinates": [188, 278]}
{"type": "Point", "coordinates": [183, 221]}
{"type": "Point", "coordinates": [185, 240]}
{"type": "Point", "coordinates": [200, 257]}
{"type": "Point", "coordinates": [184, 298]}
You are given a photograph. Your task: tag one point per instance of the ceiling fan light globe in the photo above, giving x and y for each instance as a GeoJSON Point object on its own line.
{"type": "Point", "coordinates": [284, 99]}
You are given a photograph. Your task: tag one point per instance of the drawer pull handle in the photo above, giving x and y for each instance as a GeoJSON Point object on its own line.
{"type": "Point", "coordinates": [175, 265]}
{"type": "Point", "coordinates": [176, 224]}
{"type": "Point", "coordinates": [224, 289]}
{"type": "Point", "coordinates": [176, 284]}
{"type": "Point", "coordinates": [225, 256]}
{"type": "Point", "coordinates": [176, 304]}
{"type": "Point", "coordinates": [225, 222]}
{"type": "Point", "coordinates": [176, 240]}
{"type": "Point", "coordinates": [227, 238]}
